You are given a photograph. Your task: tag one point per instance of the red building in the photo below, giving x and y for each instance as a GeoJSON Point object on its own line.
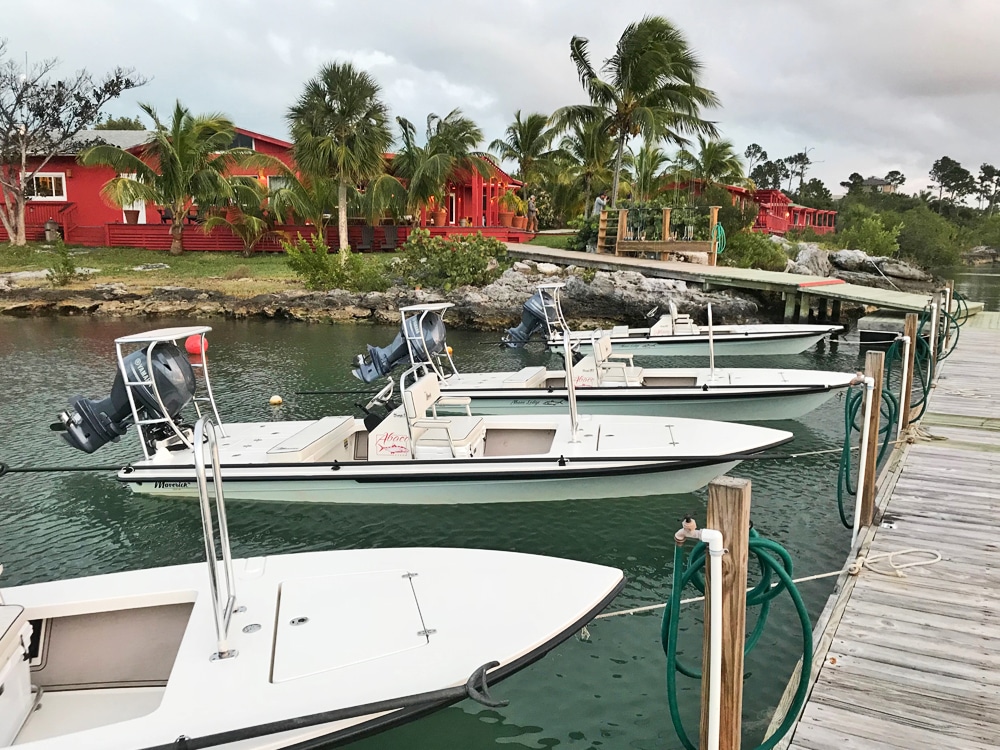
{"type": "Point", "coordinates": [70, 194]}
{"type": "Point", "coordinates": [776, 214]}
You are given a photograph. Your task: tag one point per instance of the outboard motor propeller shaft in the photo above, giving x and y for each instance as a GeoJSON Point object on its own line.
{"type": "Point", "coordinates": [90, 423]}
{"type": "Point", "coordinates": [532, 319]}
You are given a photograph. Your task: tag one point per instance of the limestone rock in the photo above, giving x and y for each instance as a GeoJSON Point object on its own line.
{"type": "Point", "coordinates": [811, 260]}
{"type": "Point", "coordinates": [548, 269]}
{"type": "Point", "coordinates": [851, 260]}
{"type": "Point", "coordinates": [151, 267]}
{"type": "Point", "coordinates": [901, 270]}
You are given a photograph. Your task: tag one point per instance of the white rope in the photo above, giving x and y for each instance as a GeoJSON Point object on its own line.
{"type": "Point", "coordinates": [653, 607]}
{"type": "Point", "coordinates": [853, 569]}
{"type": "Point", "coordinates": [866, 562]}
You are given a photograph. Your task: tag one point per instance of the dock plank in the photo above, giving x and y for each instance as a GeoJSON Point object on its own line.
{"type": "Point", "coordinates": [913, 661]}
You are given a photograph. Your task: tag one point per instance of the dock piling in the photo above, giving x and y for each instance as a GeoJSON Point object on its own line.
{"type": "Point", "coordinates": [874, 362]}
{"type": "Point", "coordinates": [906, 388]}
{"type": "Point", "coordinates": [729, 513]}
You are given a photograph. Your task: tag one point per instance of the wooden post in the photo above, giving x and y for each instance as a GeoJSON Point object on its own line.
{"type": "Point", "coordinates": [835, 313]}
{"type": "Point", "coordinates": [821, 310]}
{"type": "Point", "coordinates": [622, 225]}
{"type": "Point", "coordinates": [874, 362]}
{"type": "Point", "coordinates": [791, 306]}
{"type": "Point", "coordinates": [909, 329]}
{"type": "Point", "coordinates": [729, 513]}
{"type": "Point", "coordinates": [666, 225]}
{"type": "Point", "coordinates": [804, 301]}
{"type": "Point", "coordinates": [713, 219]}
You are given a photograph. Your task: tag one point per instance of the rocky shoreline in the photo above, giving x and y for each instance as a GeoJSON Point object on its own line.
{"type": "Point", "coordinates": [589, 299]}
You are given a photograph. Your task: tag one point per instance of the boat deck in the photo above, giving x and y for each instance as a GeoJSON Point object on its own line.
{"type": "Point", "coordinates": [914, 662]}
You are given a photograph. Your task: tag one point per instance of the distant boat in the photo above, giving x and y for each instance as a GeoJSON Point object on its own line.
{"type": "Point", "coordinates": [399, 453]}
{"type": "Point", "coordinates": [672, 334]}
{"type": "Point", "coordinates": [278, 651]}
{"type": "Point", "coordinates": [604, 381]}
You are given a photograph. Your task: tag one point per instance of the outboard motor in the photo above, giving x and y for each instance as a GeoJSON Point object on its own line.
{"type": "Point", "coordinates": [88, 424]}
{"type": "Point", "coordinates": [380, 360]}
{"type": "Point", "coordinates": [532, 319]}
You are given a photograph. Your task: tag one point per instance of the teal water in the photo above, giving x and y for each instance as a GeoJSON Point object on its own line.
{"type": "Point", "coordinates": [604, 692]}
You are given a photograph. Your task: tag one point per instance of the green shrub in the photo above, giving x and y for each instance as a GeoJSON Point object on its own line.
{"type": "Point", "coordinates": [872, 236]}
{"type": "Point", "coordinates": [753, 250]}
{"type": "Point", "coordinates": [312, 262]}
{"type": "Point", "coordinates": [63, 270]}
{"type": "Point", "coordinates": [586, 233]}
{"type": "Point", "coordinates": [450, 263]}
{"type": "Point", "coordinates": [928, 239]}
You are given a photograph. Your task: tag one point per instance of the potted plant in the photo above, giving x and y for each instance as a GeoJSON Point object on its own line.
{"type": "Point", "coordinates": [508, 204]}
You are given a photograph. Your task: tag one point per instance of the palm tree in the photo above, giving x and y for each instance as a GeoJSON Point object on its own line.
{"type": "Point", "coordinates": [185, 163]}
{"type": "Point", "coordinates": [526, 142]}
{"type": "Point", "coordinates": [588, 156]}
{"type": "Point", "coordinates": [250, 221]}
{"type": "Point", "coordinates": [340, 129]}
{"type": "Point", "coordinates": [448, 151]}
{"type": "Point", "coordinates": [651, 89]}
{"type": "Point", "coordinates": [717, 162]}
{"type": "Point", "coordinates": [648, 164]}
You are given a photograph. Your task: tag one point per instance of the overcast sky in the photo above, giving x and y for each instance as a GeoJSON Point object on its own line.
{"type": "Point", "coordinates": [866, 85]}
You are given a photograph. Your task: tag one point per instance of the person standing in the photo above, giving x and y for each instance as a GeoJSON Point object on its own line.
{"type": "Point", "coordinates": [532, 215]}
{"type": "Point", "coordinates": [599, 203]}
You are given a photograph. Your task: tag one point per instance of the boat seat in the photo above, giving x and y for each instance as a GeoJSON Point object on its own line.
{"type": "Point", "coordinates": [527, 377]}
{"type": "Point", "coordinates": [612, 367]}
{"type": "Point", "coordinates": [313, 441]}
{"type": "Point", "coordinates": [685, 326]}
{"type": "Point", "coordinates": [440, 437]}
{"type": "Point", "coordinates": [662, 327]}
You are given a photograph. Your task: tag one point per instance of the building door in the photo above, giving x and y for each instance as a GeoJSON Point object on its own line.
{"type": "Point", "coordinates": [451, 208]}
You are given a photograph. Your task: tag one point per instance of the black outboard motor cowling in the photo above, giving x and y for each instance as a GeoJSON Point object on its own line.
{"type": "Point", "coordinates": [380, 360]}
{"type": "Point", "coordinates": [89, 423]}
{"type": "Point", "coordinates": [532, 319]}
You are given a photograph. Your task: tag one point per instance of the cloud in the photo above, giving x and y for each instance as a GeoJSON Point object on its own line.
{"type": "Point", "coordinates": [867, 87]}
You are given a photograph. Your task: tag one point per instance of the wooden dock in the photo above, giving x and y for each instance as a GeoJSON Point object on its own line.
{"type": "Point", "coordinates": [914, 662]}
{"type": "Point", "coordinates": [799, 290]}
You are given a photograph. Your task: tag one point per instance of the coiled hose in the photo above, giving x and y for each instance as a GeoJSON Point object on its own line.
{"type": "Point", "coordinates": [773, 562]}
{"type": "Point", "coordinates": [888, 414]}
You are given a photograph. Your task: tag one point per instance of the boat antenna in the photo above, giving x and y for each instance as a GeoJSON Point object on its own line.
{"type": "Point", "coordinates": [711, 345]}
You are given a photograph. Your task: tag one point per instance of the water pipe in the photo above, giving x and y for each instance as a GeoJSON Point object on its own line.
{"type": "Point", "coordinates": [903, 395]}
{"type": "Point", "coordinates": [713, 539]}
{"type": "Point", "coordinates": [865, 438]}
{"type": "Point", "coordinates": [935, 323]}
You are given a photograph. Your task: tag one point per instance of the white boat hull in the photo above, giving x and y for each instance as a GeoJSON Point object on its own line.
{"type": "Point", "coordinates": [443, 486]}
{"type": "Point", "coordinates": [750, 340]}
{"type": "Point", "coordinates": [324, 642]}
{"type": "Point", "coordinates": [723, 404]}
{"type": "Point", "coordinates": [609, 457]}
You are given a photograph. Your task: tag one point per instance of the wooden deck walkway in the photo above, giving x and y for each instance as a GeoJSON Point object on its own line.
{"type": "Point", "coordinates": [799, 289]}
{"type": "Point", "coordinates": [914, 662]}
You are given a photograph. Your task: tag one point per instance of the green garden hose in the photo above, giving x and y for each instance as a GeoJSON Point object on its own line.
{"type": "Point", "coordinates": [773, 561]}
{"type": "Point", "coordinates": [720, 239]}
{"type": "Point", "coordinates": [888, 414]}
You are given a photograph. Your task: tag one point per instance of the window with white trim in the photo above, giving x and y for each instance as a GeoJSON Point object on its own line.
{"type": "Point", "coordinates": [277, 181]}
{"type": "Point", "coordinates": [46, 186]}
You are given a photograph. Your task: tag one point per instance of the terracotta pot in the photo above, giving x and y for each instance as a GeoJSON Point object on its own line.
{"type": "Point", "coordinates": [506, 218]}
{"type": "Point", "coordinates": [131, 217]}
{"type": "Point", "coordinates": [520, 222]}
{"type": "Point", "coordinates": [440, 217]}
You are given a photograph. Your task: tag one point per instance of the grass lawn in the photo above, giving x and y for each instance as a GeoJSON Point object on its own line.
{"type": "Point", "coordinates": [230, 273]}
{"type": "Point", "coordinates": [558, 241]}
